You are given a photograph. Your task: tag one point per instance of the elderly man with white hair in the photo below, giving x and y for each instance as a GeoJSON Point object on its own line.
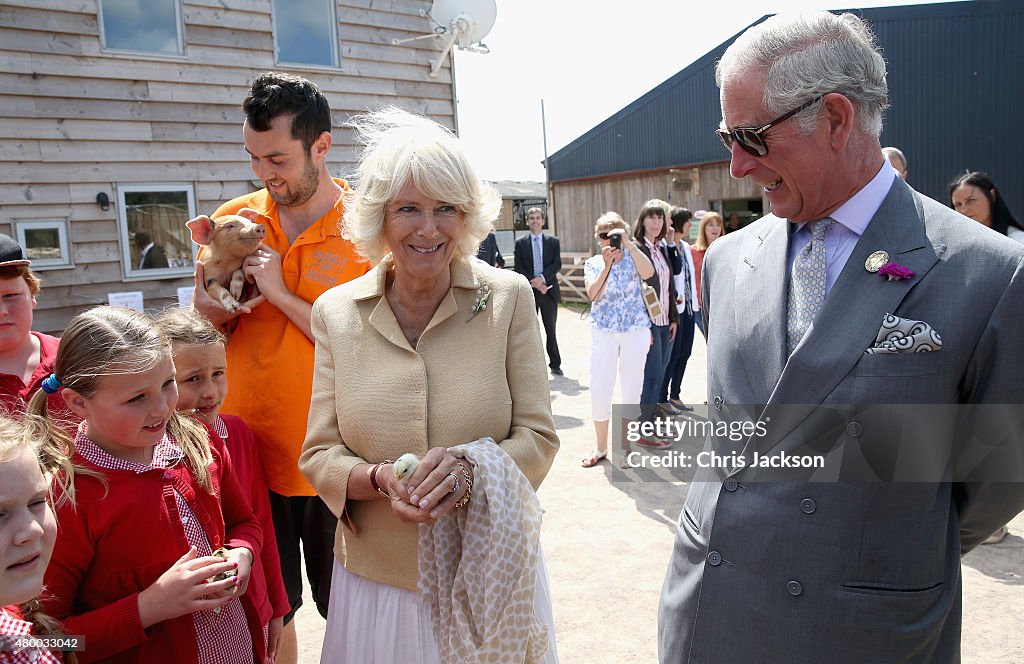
{"type": "Point", "coordinates": [841, 324]}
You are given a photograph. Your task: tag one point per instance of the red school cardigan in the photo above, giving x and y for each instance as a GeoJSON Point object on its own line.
{"type": "Point", "coordinates": [266, 585]}
{"type": "Point", "coordinates": [117, 540]}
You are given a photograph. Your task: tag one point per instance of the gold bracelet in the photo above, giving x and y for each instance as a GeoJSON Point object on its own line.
{"type": "Point", "coordinates": [373, 479]}
{"type": "Point", "coordinates": [469, 486]}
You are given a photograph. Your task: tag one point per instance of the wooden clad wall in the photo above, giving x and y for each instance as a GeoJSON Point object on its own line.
{"type": "Point", "coordinates": [75, 120]}
{"type": "Point", "coordinates": [578, 203]}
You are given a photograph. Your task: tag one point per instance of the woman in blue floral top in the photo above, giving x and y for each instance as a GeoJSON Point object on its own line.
{"type": "Point", "coordinates": [620, 327]}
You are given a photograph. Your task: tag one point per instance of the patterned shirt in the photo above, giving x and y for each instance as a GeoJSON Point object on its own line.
{"type": "Point", "coordinates": [11, 627]}
{"type": "Point", "coordinates": [222, 635]}
{"type": "Point", "coordinates": [620, 307]}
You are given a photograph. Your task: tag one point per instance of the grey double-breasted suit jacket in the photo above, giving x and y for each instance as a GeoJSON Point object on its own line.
{"type": "Point", "coordinates": [845, 572]}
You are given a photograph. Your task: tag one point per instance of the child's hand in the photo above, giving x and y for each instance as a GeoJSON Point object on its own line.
{"type": "Point", "coordinates": [274, 637]}
{"type": "Point", "coordinates": [184, 589]}
{"type": "Point", "coordinates": [243, 558]}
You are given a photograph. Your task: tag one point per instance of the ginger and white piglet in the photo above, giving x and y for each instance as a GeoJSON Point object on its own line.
{"type": "Point", "coordinates": [229, 239]}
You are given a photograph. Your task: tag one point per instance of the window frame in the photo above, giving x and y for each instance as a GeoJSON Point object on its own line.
{"type": "Point", "coordinates": [335, 47]}
{"type": "Point", "coordinates": [128, 270]}
{"type": "Point", "coordinates": [178, 24]}
{"type": "Point", "coordinates": [62, 225]}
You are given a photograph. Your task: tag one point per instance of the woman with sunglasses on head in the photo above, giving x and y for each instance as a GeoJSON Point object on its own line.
{"type": "Point", "coordinates": [710, 229]}
{"type": "Point", "coordinates": [619, 326]}
{"type": "Point", "coordinates": [975, 195]}
{"type": "Point", "coordinates": [651, 233]}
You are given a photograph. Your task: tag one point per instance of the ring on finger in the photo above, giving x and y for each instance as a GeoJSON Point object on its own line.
{"type": "Point", "coordinates": [455, 482]}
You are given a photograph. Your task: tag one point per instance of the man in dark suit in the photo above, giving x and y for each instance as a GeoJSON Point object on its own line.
{"type": "Point", "coordinates": [841, 323]}
{"type": "Point", "coordinates": [151, 255]}
{"type": "Point", "coordinates": [539, 258]}
{"type": "Point", "coordinates": [489, 252]}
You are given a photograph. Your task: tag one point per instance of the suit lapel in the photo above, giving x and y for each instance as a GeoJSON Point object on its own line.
{"type": "Point", "coordinates": [761, 306]}
{"type": "Point", "coordinates": [852, 314]}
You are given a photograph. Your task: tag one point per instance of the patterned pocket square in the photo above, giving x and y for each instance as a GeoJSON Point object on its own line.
{"type": "Point", "coordinates": [902, 335]}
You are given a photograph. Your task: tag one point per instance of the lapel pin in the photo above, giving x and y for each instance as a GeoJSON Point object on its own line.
{"type": "Point", "coordinates": [876, 261]}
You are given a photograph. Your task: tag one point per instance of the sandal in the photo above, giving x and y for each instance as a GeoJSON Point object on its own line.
{"type": "Point", "coordinates": [997, 537]}
{"type": "Point", "coordinates": [653, 443]}
{"type": "Point", "coordinates": [594, 459]}
{"type": "Point", "coordinates": [625, 463]}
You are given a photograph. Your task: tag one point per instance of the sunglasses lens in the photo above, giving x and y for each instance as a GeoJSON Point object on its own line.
{"type": "Point", "coordinates": [725, 137]}
{"type": "Point", "coordinates": [751, 141]}
{"type": "Point", "coordinates": [603, 236]}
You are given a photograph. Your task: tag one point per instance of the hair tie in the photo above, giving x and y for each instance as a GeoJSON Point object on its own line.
{"type": "Point", "coordinates": [51, 384]}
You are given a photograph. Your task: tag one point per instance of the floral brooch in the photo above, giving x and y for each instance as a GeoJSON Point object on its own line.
{"type": "Point", "coordinates": [483, 294]}
{"type": "Point", "coordinates": [895, 271]}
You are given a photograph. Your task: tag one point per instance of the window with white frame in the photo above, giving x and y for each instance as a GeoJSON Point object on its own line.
{"type": "Point", "coordinates": [304, 32]}
{"type": "Point", "coordinates": [46, 242]}
{"type": "Point", "coordinates": [155, 243]}
{"type": "Point", "coordinates": [147, 26]}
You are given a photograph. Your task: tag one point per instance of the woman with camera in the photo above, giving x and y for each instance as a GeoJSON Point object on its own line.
{"type": "Point", "coordinates": [620, 327]}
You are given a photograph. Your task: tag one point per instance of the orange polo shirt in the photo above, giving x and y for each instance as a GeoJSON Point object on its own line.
{"type": "Point", "coordinates": [270, 360]}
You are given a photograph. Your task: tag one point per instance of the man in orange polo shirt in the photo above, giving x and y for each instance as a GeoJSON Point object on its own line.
{"type": "Point", "coordinates": [287, 134]}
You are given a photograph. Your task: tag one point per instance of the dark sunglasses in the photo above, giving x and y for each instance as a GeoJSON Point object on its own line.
{"type": "Point", "coordinates": [603, 236]}
{"type": "Point", "coordinates": [750, 139]}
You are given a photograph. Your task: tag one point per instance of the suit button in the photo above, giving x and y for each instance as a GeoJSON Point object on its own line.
{"type": "Point", "coordinates": [714, 559]}
{"type": "Point", "coordinates": [794, 588]}
{"type": "Point", "coordinates": [807, 506]}
{"type": "Point", "coordinates": [206, 519]}
{"type": "Point", "coordinates": [719, 401]}
{"type": "Point", "coordinates": [730, 485]}
{"type": "Point", "coordinates": [854, 429]}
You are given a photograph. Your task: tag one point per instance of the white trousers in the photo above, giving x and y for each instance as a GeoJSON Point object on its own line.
{"type": "Point", "coordinates": [624, 353]}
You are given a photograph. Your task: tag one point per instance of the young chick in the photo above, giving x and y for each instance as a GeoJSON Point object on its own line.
{"type": "Point", "coordinates": [406, 466]}
{"type": "Point", "coordinates": [223, 553]}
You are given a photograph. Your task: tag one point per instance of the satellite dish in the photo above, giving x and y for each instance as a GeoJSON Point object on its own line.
{"type": "Point", "coordinates": [462, 23]}
{"type": "Point", "coordinates": [470, 19]}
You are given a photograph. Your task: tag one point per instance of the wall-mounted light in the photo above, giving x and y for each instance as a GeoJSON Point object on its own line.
{"type": "Point", "coordinates": [103, 200]}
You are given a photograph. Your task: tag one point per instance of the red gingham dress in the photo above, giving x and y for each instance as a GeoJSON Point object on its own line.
{"type": "Point", "coordinates": [222, 637]}
{"type": "Point", "coordinates": [11, 625]}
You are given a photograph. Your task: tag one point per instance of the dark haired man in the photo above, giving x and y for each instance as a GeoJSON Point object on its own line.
{"type": "Point", "coordinates": [287, 133]}
{"type": "Point", "coordinates": [539, 258]}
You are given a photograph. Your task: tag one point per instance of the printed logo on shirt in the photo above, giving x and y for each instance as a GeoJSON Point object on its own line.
{"type": "Point", "coordinates": [324, 267]}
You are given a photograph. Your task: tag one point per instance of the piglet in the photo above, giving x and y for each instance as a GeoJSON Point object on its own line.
{"type": "Point", "coordinates": [229, 239]}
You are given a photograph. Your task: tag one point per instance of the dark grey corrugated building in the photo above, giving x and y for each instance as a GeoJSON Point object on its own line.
{"type": "Point", "coordinates": [955, 74]}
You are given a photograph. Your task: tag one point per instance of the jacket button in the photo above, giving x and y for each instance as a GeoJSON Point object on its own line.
{"type": "Point", "coordinates": [206, 519]}
{"type": "Point", "coordinates": [807, 506]}
{"type": "Point", "coordinates": [854, 429]}
{"type": "Point", "coordinates": [718, 400]}
{"type": "Point", "coordinates": [794, 588]}
{"type": "Point", "coordinates": [730, 485]}
{"type": "Point", "coordinates": [216, 544]}
{"type": "Point", "coordinates": [714, 559]}
{"type": "Point", "coordinates": [168, 475]}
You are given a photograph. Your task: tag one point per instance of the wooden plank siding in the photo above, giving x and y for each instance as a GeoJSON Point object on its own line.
{"type": "Point", "coordinates": [76, 120]}
{"type": "Point", "coordinates": [578, 203]}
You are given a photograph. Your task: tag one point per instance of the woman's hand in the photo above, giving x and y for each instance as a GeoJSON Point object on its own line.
{"type": "Point", "coordinates": [611, 256]}
{"type": "Point", "coordinates": [274, 630]}
{"type": "Point", "coordinates": [428, 495]}
{"type": "Point", "coordinates": [243, 558]}
{"type": "Point", "coordinates": [184, 589]}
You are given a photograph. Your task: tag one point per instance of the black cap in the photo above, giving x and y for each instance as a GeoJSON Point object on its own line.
{"type": "Point", "coordinates": [11, 253]}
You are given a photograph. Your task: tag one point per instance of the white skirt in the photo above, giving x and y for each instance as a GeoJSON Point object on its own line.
{"type": "Point", "coordinates": [374, 623]}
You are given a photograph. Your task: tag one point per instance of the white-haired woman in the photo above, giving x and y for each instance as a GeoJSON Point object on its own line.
{"type": "Point", "coordinates": [428, 351]}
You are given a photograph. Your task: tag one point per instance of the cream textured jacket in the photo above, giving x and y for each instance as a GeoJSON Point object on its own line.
{"type": "Point", "coordinates": [376, 398]}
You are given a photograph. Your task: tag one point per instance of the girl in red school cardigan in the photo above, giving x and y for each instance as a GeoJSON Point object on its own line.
{"type": "Point", "coordinates": [200, 365]}
{"type": "Point", "coordinates": [149, 499]}
{"type": "Point", "coordinates": [27, 533]}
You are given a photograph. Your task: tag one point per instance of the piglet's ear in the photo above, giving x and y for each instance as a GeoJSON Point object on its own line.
{"type": "Point", "coordinates": [201, 228]}
{"type": "Point", "coordinates": [250, 214]}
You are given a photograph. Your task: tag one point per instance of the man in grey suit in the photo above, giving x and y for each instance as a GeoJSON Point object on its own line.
{"type": "Point", "coordinates": [812, 313]}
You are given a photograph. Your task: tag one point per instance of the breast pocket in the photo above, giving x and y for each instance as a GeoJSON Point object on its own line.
{"type": "Point", "coordinates": [899, 364]}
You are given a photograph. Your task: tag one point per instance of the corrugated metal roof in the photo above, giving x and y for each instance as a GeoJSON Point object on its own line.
{"type": "Point", "coordinates": [520, 189]}
{"type": "Point", "coordinates": [955, 73]}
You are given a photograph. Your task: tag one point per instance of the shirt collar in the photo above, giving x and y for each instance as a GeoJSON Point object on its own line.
{"type": "Point", "coordinates": [166, 454]}
{"type": "Point", "coordinates": [857, 211]}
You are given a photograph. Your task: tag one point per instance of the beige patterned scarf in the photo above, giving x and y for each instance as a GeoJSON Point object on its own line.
{"type": "Point", "coordinates": [478, 566]}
